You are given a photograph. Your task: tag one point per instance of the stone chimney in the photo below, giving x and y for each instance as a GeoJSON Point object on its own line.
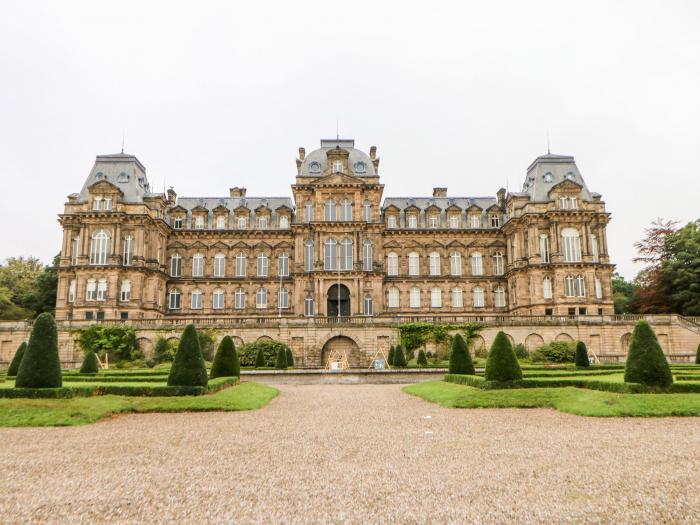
{"type": "Point", "coordinates": [172, 196]}
{"type": "Point", "coordinates": [373, 152]}
{"type": "Point", "coordinates": [237, 192]}
{"type": "Point", "coordinates": [439, 192]}
{"type": "Point", "coordinates": [302, 153]}
{"type": "Point", "coordinates": [501, 195]}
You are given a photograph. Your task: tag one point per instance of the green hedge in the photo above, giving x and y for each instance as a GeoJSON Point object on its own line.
{"type": "Point", "coordinates": [99, 379]}
{"type": "Point", "coordinates": [248, 352]}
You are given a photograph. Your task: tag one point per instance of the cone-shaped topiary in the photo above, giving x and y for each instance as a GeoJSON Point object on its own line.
{"type": "Point", "coordinates": [502, 365]}
{"type": "Point", "coordinates": [40, 366]}
{"type": "Point", "coordinates": [260, 358]}
{"type": "Point", "coordinates": [460, 358]}
{"type": "Point", "coordinates": [582, 354]}
{"type": "Point", "coordinates": [646, 362]}
{"type": "Point", "coordinates": [19, 354]}
{"type": "Point", "coordinates": [188, 367]}
{"type": "Point", "coordinates": [697, 356]}
{"type": "Point", "coordinates": [281, 362]}
{"type": "Point", "coordinates": [421, 360]}
{"type": "Point", "coordinates": [399, 357]}
{"type": "Point", "coordinates": [392, 351]}
{"type": "Point", "coordinates": [90, 365]}
{"type": "Point", "coordinates": [290, 358]}
{"type": "Point", "coordinates": [226, 360]}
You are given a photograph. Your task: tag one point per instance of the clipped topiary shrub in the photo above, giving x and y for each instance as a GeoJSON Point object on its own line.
{"type": "Point", "coordinates": [399, 357]}
{"type": "Point", "coordinates": [502, 365]}
{"type": "Point", "coordinates": [392, 351]}
{"type": "Point", "coordinates": [521, 351]}
{"type": "Point", "coordinates": [40, 367]}
{"type": "Point", "coordinates": [188, 367]}
{"type": "Point", "coordinates": [421, 360]}
{"type": "Point", "coordinates": [646, 363]}
{"type": "Point", "coordinates": [260, 358]}
{"type": "Point", "coordinates": [697, 356]}
{"type": "Point", "coordinates": [460, 358]}
{"type": "Point", "coordinates": [582, 355]}
{"type": "Point", "coordinates": [226, 360]}
{"type": "Point", "coordinates": [290, 357]}
{"type": "Point", "coordinates": [281, 362]}
{"type": "Point", "coordinates": [90, 364]}
{"type": "Point", "coordinates": [19, 354]}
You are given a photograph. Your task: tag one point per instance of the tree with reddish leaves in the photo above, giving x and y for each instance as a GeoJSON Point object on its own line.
{"type": "Point", "coordinates": [652, 295]}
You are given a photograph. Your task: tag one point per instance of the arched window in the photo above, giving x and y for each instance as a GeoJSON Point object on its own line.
{"type": "Point", "coordinates": [284, 265]}
{"type": "Point", "coordinates": [126, 259]}
{"type": "Point", "coordinates": [457, 298]}
{"type": "Point", "coordinates": [196, 299]}
{"type": "Point", "coordinates": [283, 298]}
{"type": "Point", "coordinates": [262, 264]}
{"type": "Point", "coordinates": [175, 265]}
{"type": "Point", "coordinates": [367, 305]}
{"type": "Point", "coordinates": [283, 222]}
{"type": "Point", "coordinates": [499, 297]}
{"type": "Point", "coordinates": [197, 265]}
{"type": "Point", "coordinates": [434, 263]}
{"type": "Point", "coordinates": [547, 288]}
{"type": "Point", "coordinates": [219, 265]}
{"type": "Point", "coordinates": [414, 297]}
{"type": "Point", "coordinates": [308, 211]}
{"type": "Point", "coordinates": [240, 264]}
{"type": "Point", "coordinates": [367, 256]}
{"type": "Point", "coordinates": [217, 299]}
{"type": "Point", "coordinates": [455, 263]}
{"type": "Point", "coordinates": [329, 210]}
{"type": "Point", "coordinates": [345, 210]}
{"type": "Point", "coordinates": [580, 286]}
{"type": "Point", "coordinates": [436, 298]}
{"type": "Point", "coordinates": [102, 289]}
{"type": "Point", "coordinates": [308, 255]}
{"type": "Point", "coordinates": [174, 299]}
{"type": "Point", "coordinates": [309, 307]}
{"type": "Point", "coordinates": [125, 292]}
{"type": "Point", "coordinates": [346, 254]}
{"type": "Point", "coordinates": [478, 297]}
{"type": "Point", "coordinates": [329, 255]}
{"type": "Point", "coordinates": [498, 263]}
{"type": "Point", "coordinates": [261, 298]}
{"type": "Point", "coordinates": [569, 287]}
{"type": "Point", "coordinates": [413, 264]}
{"type": "Point", "coordinates": [548, 177]}
{"type": "Point", "coordinates": [477, 264]}
{"type": "Point", "coordinates": [99, 247]}
{"type": "Point", "coordinates": [367, 211]}
{"type": "Point", "coordinates": [392, 264]}
{"type": "Point", "coordinates": [239, 299]}
{"type": "Point", "coordinates": [544, 248]}
{"type": "Point", "coordinates": [393, 298]}
{"type": "Point", "coordinates": [571, 244]}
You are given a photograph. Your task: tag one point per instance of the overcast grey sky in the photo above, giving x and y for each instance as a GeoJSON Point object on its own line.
{"type": "Point", "coordinates": [455, 94]}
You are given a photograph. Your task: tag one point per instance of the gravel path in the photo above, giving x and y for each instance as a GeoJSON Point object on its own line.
{"type": "Point", "coordinates": [354, 454]}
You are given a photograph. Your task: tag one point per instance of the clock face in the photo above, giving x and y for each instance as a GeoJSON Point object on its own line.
{"type": "Point", "coordinates": [360, 167]}
{"type": "Point", "coordinates": [315, 167]}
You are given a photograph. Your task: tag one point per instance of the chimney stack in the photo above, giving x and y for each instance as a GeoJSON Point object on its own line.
{"type": "Point", "coordinates": [302, 153]}
{"type": "Point", "coordinates": [439, 192]}
{"type": "Point", "coordinates": [373, 152]}
{"type": "Point", "coordinates": [171, 196]}
{"type": "Point", "coordinates": [237, 192]}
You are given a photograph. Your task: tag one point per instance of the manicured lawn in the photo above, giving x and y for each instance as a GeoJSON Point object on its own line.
{"type": "Point", "coordinates": [83, 410]}
{"type": "Point", "coordinates": [571, 400]}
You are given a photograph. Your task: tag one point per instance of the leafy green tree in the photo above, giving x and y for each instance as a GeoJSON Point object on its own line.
{"type": "Point", "coordinates": [188, 367]}
{"type": "Point", "coordinates": [260, 358]}
{"type": "Point", "coordinates": [680, 270]}
{"type": "Point", "coordinates": [30, 287]}
{"type": "Point", "coordinates": [290, 357]}
{"type": "Point", "coordinates": [164, 350]}
{"type": "Point", "coordinates": [501, 364]}
{"type": "Point", "coordinates": [421, 360]}
{"type": "Point", "coordinates": [206, 343]}
{"type": "Point", "coordinates": [521, 351]}
{"type": "Point", "coordinates": [646, 362]}
{"type": "Point", "coordinates": [118, 341]}
{"type": "Point", "coordinates": [392, 351]}
{"type": "Point", "coordinates": [8, 309]}
{"type": "Point", "coordinates": [399, 357]}
{"type": "Point", "coordinates": [582, 355]}
{"type": "Point", "coordinates": [623, 294]}
{"type": "Point", "coordinates": [41, 366]}
{"type": "Point", "coordinates": [281, 362]}
{"type": "Point", "coordinates": [17, 359]}
{"type": "Point", "coordinates": [460, 358]}
{"type": "Point", "coordinates": [90, 364]}
{"type": "Point", "coordinates": [226, 360]}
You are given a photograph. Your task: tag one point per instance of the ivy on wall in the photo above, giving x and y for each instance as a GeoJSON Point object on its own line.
{"type": "Point", "coordinates": [415, 335]}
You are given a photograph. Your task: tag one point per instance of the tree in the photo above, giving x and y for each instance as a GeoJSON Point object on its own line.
{"type": "Point", "coordinates": [582, 355]}
{"type": "Point", "coordinates": [623, 294]}
{"type": "Point", "coordinates": [651, 296]}
{"type": "Point", "coordinates": [119, 341]}
{"type": "Point", "coordinates": [460, 358]}
{"type": "Point", "coordinates": [392, 351]}
{"type": "Point", "coordinates": [501, 364]}
{"type": "Point", "coordinates": [646, 362]}
{"type": "Point", "coordinates": [281, 362]}
{"type": "Point", "coordinates": [290, 357]}
{"type": "Point", "coordinates": [17, 359]}
{"type": "Point", "coordinates": [421, 360]}
{"type": "Point", "coordinates": [680, 270]}
{"type": "Point", "coordinates": [164, 350]}
{"type": "Point", "coordinates": [260, 358]}
{"type": "Point", "coordinates": [29, 287]}
{"type": "Point", "coordinates": [41, 366]}
{"type": "Point", "coordinates": [399, 357]}
{"type": "Point", "coordinates": [188, 367]}
{"type": "Point", "coordinates": [697, 356]}
{"type": "Point", "coordinates": [90, 364]}
{"type": "Point", "coordinates": [226, 360]}
{"type": "Point", "coordinates": [206, 343]}
{"type": "Point", "coordinates": [521, 351]}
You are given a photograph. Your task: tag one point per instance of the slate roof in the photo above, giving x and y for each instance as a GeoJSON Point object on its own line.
{"type": "Point", "coordinates": [558, 166]}
{"type": "Point", "coordinates": [232, 203]}
{"type": "Point", "coordinates": [319, 156]}
{"type": "Point", "coordinates": [441, 202]}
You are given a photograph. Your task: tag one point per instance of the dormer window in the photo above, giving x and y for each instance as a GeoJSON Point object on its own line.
{"type": "Point", "coordinates": [177, 223]}
{"type": "Point", "coordinates": [100, 176]}
{"type": "Point", "coordinates": [360, 167]}
{"type": "Point", "coordinates": [199, 222]}
{"type": "Point", "coordinates": [569, 176]}
{"type": "Point", "coordinates": [548, 177]}
{"type": "Point", "coordinates": [454, 222]}
{"type": "Point", "coordinates": [242, 223]}
{"type": "Point", "coordinates": [475, 221]}
{"type": "Point", "coordinates": [433, 221]}
{"type": "Point", "coordinates": [337, 166]}
{"type": "Point", "coordinates": [391, 221]}
{"type": "Point", "coordinates": [221, 222]}
{"type": "Point", "coordinates": [412, 221]}
{"type": "Point", "coordinates": [314, 167]}
{"type": "Point", "coordinates": [123, 177]}
{"type": "Point", "coordinates": [262, 223]}
{"type": "Point", "coordinates": [107, 203]}
{"type": "Point", "coordinates": [495, 221]}
{"type": "Point", "coordinates": [284, 222]}
{"type": "Point", "coordinates": [96, 203]}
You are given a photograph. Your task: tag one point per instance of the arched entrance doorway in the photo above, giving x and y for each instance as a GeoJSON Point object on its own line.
{"type": "Point", "coordinates": [342, 345]}
{"type": "Point", "coordinates": [338, 304]}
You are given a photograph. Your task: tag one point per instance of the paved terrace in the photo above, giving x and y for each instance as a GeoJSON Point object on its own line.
{"type": "Point", "coordinates": [354, 454]}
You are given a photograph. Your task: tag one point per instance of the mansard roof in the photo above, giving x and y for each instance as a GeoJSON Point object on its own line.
{"type": "Point", "coordinates": [232, 203]}
{"type": "Point", "coordinates": [550, 170]}
{"type": "Point", "coordinates": [315, 163]}
{"type": "Point", "coordinates": [443, 203]}
{"type": "Point", "coordinates": [123, 171]}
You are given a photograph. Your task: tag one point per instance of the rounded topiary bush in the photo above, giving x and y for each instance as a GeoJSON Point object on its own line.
{"type": "Point", "coordinates": [582, 355]}
{"type": "Point", "coordinates": [188, 367]}
{"type": "Point", "coordinates": [290, 357]}
{"type": "Point", "coordinates": [421, 360]}
{"type": "Point", "coordinates": [399, 357]}
{"type": "Point", "coordinates": [390, 359]}
{"type": "Point", "coordinates": [260, 358]}
{"type": "Point", "coordinates": [40, 366]}
{"type": "Point", "coordinates": [646, 362]}
{"type": "Point", "coordinates": [460, 358]}
{"type": "Point", "coordinates": [501, 364]}
{"type": "Point", "coordinates": [281, 362]}
{"type": "Point", "coordinates": [17, 359]}
{"type": "Point", "coordinates": [226, 360]}
{"type": "Point", "coordinates": [697, 356]}
{"type": "Point", "coordinates": [90, 364]}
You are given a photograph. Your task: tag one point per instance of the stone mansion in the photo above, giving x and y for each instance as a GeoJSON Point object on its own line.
{"type": "Point", "coordinates": [338, 248]}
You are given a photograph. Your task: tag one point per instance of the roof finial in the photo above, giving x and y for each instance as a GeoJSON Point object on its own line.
{"type": "Point", "coordinates": [123, 133]}
{"type": "Point", "coordinates": [548, 142]}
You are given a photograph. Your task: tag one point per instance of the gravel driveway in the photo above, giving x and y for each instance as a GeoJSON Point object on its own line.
{"type": "Point", "coordinates": [354, 454]}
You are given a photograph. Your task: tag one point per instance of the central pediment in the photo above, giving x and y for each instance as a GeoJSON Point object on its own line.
{"type": "Point", "coordinates": [337, 178]}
